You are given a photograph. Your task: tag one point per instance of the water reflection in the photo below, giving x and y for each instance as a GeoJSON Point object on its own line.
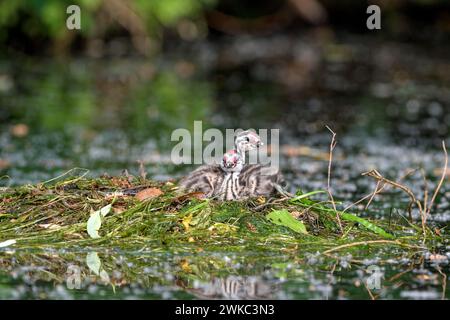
{"type": "Point", "coordinates": [108, 275]}
{"type": "Point", "coordinates": [233, 287]}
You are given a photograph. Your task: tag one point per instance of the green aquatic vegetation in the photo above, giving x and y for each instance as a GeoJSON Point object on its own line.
{"type": "Point", "coordinates": [345, 216]}
{"type": "Point", "coordinates": [284, 218]}
{"type": "Point", "coordinates": [61, 213]}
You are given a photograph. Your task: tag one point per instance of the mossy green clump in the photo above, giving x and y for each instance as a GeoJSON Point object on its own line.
{"type": "Point", "coordinates": [55, 214]}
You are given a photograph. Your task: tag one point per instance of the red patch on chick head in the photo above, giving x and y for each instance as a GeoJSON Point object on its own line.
{"type": "Point", "coordinates": [230, 158]}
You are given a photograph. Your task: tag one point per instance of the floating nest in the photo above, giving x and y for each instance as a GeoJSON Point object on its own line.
{"type": "Point", "coordinates": [143, 213]}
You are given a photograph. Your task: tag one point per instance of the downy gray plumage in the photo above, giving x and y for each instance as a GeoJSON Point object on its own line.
{"type": "Point", "coordinates": [233, 179]}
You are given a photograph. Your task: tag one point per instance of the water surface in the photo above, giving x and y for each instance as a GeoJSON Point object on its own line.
{"type": "Point", "coordinates": [389, 103]}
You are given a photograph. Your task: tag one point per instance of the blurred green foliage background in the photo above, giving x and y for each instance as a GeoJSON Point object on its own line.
{"type": "Point", "coordinates": [34, 26]}
{"type": "Point", "coordinates": [111, 93]}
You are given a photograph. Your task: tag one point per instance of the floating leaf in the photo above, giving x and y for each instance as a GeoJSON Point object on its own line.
{"type": "Point", "coordinates": [284, 218]}
{"type": "Point", "coordinates": [148, 193]}
{"type": "Point", "coordinates": [93, 262]}
{"type": "Point", "coordinates": [7, 243]}
{"type": "Point", "coordinates": [93, 225]}
{"type": "Point", "coordinates": [105, 210]}
{"type": "Point", "coordinates": [95, 221]}
{"type": "Point", "coordinates": [369, 225]}
{"type": "Point", "coordinates": [95, 265]}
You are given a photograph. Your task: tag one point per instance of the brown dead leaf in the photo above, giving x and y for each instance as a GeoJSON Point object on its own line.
{"type": "Point", "coordinates": [198, 195]}
{"type": "Point", "coordinates": [121, 182]}
{"type": "Point", "coordinates": [195, 195]}
{"type": "Point", "coordinates": [148, 193]}
{"type": "Point", "coordinates": [440, 171]}
{"type": "Point", "coordinates": [4, 164]}
{"type": "Point", "coordinates": [437, 257]}
{"type": "Point", "coordinates": [251, 227]}
{"type": "Point", "coordinates": [20, 130]}
{"type": "Point", "coordinates": [119, 209]}
{"type": "Point", "coordinates": [295, 214]}
{"type": "Point", "coordinates": [426, 277]}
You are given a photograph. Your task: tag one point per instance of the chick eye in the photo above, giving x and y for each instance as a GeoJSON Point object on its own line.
{"type": "Point", "coordinates": [247, 139]}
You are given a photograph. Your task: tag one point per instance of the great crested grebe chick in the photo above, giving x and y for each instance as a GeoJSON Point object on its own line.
{"type": "Point", "coordinates": [246, 141]}
{"type": "Point", "coordinates": [256, 179]}
{"type": "Point", "coordinates": [208, 178]}
{"type": "Point", "coordinates": [260, 180]}
{"type": "Point", "coordinates": [232, 165]}
{"type": "Point", "coordinates": [205, 179]}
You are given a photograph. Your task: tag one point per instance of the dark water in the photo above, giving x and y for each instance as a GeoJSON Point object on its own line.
{"type": "Point", "coordinates": [389, 103]}
{"type": "Point", "coordinates": [149, 274]}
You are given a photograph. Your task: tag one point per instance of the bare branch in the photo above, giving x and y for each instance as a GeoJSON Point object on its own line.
{"type": "Point", "coordinates": [444, 174]}
{"type": "Point", "coordinates": [330, 160]}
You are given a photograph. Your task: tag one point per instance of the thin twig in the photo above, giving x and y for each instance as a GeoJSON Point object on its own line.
{"type": "Point", "coordinates": [384, 185]}
{"type": "Point", "coordinates": [366, 243]}
{"type": "Point", "coordinates": [269, 202]}
{"type": "Point", "coordinates": [436, 191]}
{"type": "Point", "coordinates": [86, 171]}
{"type": "Point", "coordinates": [425, 190]}
{"type": "Point", "coordinates": [444, 282]}
{"type": "Point", "coordinates": [142, 171]}
{"type": "Point", "coordinates": [368, 290]}
{"type": "Point", "coordinates": [375, 174]}
{"type": "Point", "coordinates": [444, 174]}
{"type": "Point", "coordinates": [378, 189]}
{"type": "Point", "coordinates": [330, 160]}
{"type": "Point", "coordinates": [331, 276]}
